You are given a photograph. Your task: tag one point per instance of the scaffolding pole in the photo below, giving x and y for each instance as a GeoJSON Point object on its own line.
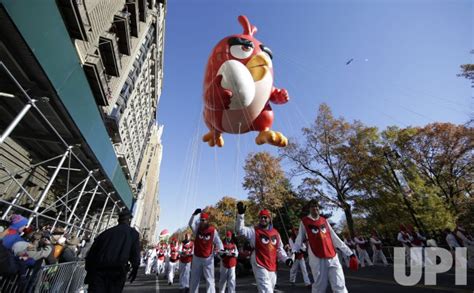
{"type": "Point", "coordinates": [87, 210]}
{"type": "Point", "coordinates": [79, 197]}
{"type": "Point", "coordinates": [48, 186]}
{"type": "Point", "coordinates": [17, 120]}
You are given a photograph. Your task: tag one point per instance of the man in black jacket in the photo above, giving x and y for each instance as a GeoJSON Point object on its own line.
{"type": "Point", "coordinates": [107, 260]}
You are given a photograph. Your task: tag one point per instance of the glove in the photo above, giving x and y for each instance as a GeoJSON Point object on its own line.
{"type": "Point", "coordinates": [241, 208]}
{"type": "Point", "coordinates": [132, 275]}
{"type": "Point", "coordinates": [289, 262]}
{"type": "Point", "coordinates": [197, 211]}
{"type": "Point", "coordinates": [353, 263]}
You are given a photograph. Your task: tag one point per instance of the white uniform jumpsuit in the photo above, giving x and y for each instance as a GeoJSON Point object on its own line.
{"type": "Point", "coordinates": [299, 264]}
{"type": "Point", "coordinates": [362, 245]}
{"type": "Point", "coordinates": [468, 242]}
{"type": "Point", "coordinates": [186, 256]}
{"type": "Point", "coordinates": [265, 243]}
{"type": "Point", "coordinates": [405, 239]}
{"type": "Point", "coordinates": [203, 258]}
{"type": "Point", "coordinates": [161, 255]}
{"type": "Point", "coordinates": [377, 249]}
{"type": "Point", "coordinates": [323, 260]}
{"type": "Point", "coordinates": [150, 261]}
{"type": "Point", "coordinates": [227, 270]}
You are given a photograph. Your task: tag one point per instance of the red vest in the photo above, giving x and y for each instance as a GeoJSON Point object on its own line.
{"type": "Point", "coordinates": [174, 253]}
{"type": "Point", "coordinates": [378, 246]}
{"type": "Point", "coordinates": [266, 245]}
{"type": "Point", "coordinates": [161, 253]}
{"type": "Point", "coordinates": [187, 252]}
{"type": "Point", "coordinates": [229, 261]}
{"type": "Point", "coordinates": [319, 237]}
{"type": "Point", "coordinates": [364, 245]}
{"type": "Point", "coordinates": [203, 243]}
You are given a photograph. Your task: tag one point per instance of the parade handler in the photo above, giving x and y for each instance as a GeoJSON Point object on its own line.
{"type": "Point", "coordinates": [186, 257]}
{"type": "Point", "coordinates": [268, 248]}
{"type": "Point", "coordinates": [323, 259]}
{"type": "Point", "coordinates": [205, 238]}
{"type": "Point", "coordinates": [229, 262]}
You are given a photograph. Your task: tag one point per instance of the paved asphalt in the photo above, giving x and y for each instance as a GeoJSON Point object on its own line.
{"type": "Point", "coordinates": [370, 279]}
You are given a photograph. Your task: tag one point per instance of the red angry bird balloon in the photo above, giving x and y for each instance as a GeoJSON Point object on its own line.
{"type": "Point", "coordinates": [238, 89]}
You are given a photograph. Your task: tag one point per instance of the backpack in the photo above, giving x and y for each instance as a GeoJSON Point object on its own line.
{"type": "Point", "coordinates": [8, 263]}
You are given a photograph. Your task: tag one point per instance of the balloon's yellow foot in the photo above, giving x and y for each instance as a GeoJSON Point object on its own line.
{"type": "Point", "coordinates": [271, 137]}
{"type": "Point", "coordinates": [213, 138]}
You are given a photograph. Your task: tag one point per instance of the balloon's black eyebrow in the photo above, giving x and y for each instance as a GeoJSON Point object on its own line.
{"type": "Point", "coordinates": [267, 50]}
{"type": "Point", "coordinates": [240, 41]}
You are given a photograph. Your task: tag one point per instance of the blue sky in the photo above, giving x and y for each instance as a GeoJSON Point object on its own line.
{"type": "Point", "coordinates": [406, 57]}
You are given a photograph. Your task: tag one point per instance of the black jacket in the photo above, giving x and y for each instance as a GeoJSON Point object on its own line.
{"type": "Point", "coordinates": [114, 248]}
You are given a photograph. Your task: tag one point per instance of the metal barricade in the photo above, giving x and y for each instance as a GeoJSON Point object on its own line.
{"type": "Point", "coordinates": [59, 278]}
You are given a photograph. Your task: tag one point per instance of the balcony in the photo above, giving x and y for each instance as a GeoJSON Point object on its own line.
{"type": "Point", "coordinates": [132, 8]}
{"type": "Point", "coordinates": [94, 70]}
{"type": "Point", "coordinates": [110, 55]}
{"type": "Point", "coordinates": [142, 9]}
{"type": "Point", "coordinates": [112, 124]}
{"type": "Point", "coordinates": [74, 15]}
{"type": "Point", "coordinates": [122, 30]}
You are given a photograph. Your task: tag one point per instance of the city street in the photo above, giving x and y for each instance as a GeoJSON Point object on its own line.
{"type": "Point", "coordinates": [375, 279]}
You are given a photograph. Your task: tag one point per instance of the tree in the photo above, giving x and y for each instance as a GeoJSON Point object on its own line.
{"type": "Point", "coordinates": [324, 158]}
{"type": "Point", "coordinates": [443, 154]}
{"type": "Point", "coordinates": [265, 181]}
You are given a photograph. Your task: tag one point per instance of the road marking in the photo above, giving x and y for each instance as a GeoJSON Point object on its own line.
{"type": "Point", "coordinates": [417, 285]}
{"type": "Point", "coordinates": [157, 283]}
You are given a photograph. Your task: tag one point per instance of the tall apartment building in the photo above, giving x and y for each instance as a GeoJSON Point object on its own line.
{"type": "Point", "coordinates": [146, 210]}
{"type": "Point", "coordinates": [121, 47]}
{"type": "Point", "coordinates": [80, 82]}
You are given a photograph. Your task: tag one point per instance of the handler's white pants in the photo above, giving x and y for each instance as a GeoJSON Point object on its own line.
{"type": "Point", "coordinates": [227, 279]}
{"type": "Point", "coordinates": [364, 257]}
{"type": "Point", "coordinates": [171, 269]}
{"type": "Point", "coordinates": [378, 253]}
{"type": "Point", "coordinates": [299, 264]}
{"type": "Point", "coordinates": [160, 267]}
{"type": "Point", "coordinates": [204, 266]}
{"type": "Point", "coordinates": [184, 271]}
{"type": "Point", "coordinates": [151, 262]}
{"type": "Point", "coordinates": [325, 269]}
{"type": "Point", "coordinates": [265, 279]}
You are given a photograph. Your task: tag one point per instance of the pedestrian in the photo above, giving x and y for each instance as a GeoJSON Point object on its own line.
{"type": "Point", "coordinates": [299, 260]}
{"type": "Point", "coordinates": [150, 260]}
{"type": "Point", "coordinates": [268, 248]}
{"type": "Point", "coordinates": [17, 224]}
{"type": "Point", "coordinates": [465, 240]}
{"type": "Point", "coordinates": [228, 263]}
{"type": "Point", "coordinates": [352, 246]}
{"type": "Point", "coordinates": [161, 255]}
{"type": "Point", "coordinates": [206, 238]}
{"type": "Point", "coordinates": [69, 252]}
{"type": "Point", "coordinates": [323, 259]}
{"type": "Point", "coordinates": [173, 260]}
{"type": "Point", "coordinates": [362, 246]}
{"type": "Point", "coordinates": [185, 259]}
{"type": "Point", "coordinates": [377, 248]}
{"type": "Point", "coordinates": [417, 246]}
{"type": "Point", "coordinates": [405, 239]}
{"type": "Point", "coordinates": [108, 258]}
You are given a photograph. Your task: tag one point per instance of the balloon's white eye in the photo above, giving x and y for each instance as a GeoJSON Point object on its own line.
{"type": "Point", "coordinates": [265, 240]}
{"type": "Point", "coordinates": [207, 237]}
{"type": "Point", "coordinates": [200, 236]}
{"type": "Point", "coordinates": [315, 230]}
{"type": "Point", "coordinates": [241, 51]}
{"type": "Point", "coordinates": [274, 241]}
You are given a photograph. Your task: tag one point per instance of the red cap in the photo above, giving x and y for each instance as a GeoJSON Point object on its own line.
{"type": "Point", "coordinates": [264, 212]}
{"type": "Point", "coordinates": [204, 216]}
{"type": "Point", "coordinates": [228, 234]}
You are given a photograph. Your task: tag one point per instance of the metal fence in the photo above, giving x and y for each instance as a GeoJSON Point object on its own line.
{"type": "Point", "coordinates": [57, 278]}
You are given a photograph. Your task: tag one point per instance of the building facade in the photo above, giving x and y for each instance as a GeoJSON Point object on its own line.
{"type": "Point", "coordinates": [79, 87]}
{"type": "Point", "coordinates": [146, 210]}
